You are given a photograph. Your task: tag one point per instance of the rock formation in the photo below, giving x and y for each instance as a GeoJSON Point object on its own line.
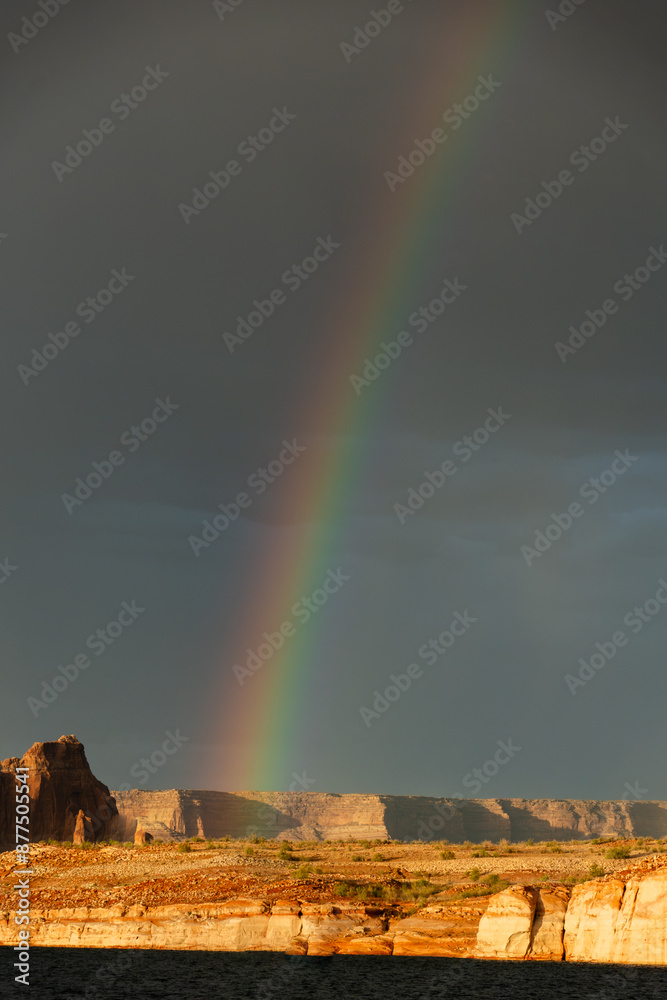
{"type": "Point", "coordinates": [620, 918]}
{"type": "Point", "coordinates": [68, 801]}
{"type": "Point", "coordinates": [176, 814]}
{"type": "Point", "coordinates": [65, 796]}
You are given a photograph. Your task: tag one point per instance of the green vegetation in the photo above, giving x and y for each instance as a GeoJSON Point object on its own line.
{"type": "Point", "coordinates": [303, 871]}
{"type": "Point", "coordinates": [447, 855]}
{"type": "Point", "coordinates": [249, 851]}
{"type": "Point", "coordinates": [184, 848]}
{"type": "Point", "coordinates": [417, 891]}
{"type": "Point", "coordinates": [489, 885]}
{"type": "Point", "coordinates": [596, 871]}
{"type": "Point", "coordinates": [378, 857]}
{"type": "Point", "coordinates": [621, 851]}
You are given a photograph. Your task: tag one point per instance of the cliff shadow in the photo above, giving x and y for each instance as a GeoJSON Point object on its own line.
{"type": "Point", "coordinates": [649, 819]}
{"type": "Point", "coordinates": [227, 814]}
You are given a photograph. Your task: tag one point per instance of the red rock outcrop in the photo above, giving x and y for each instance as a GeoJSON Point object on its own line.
{"type": "Point", "coordinates": [621, 918]}
{"type": "Point", "coordinates": [65, 796]}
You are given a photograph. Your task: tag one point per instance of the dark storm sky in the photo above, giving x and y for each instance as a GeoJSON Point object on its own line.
{"type": "Point", "coordinates": [161, 336]}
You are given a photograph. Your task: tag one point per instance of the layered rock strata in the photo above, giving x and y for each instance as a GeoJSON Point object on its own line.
{"type": "Point", "coordinates": [175, 814]}
{"type": "Point", "coordinates": [614, 919]}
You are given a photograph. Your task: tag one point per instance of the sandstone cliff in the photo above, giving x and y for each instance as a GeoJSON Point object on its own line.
{"type": "Point", "coordinates": [65, 796]}
{"type": "Point", "coordinates": [68, 801]}
{"type": "Point", "coordinates": [620, 918]}
{"type": "Point", "coordinates": [321, 816]}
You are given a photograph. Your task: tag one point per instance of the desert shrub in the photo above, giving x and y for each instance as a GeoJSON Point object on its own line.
{"type": "Point", "coordinates": [249, 851]}
{"type": "Point", "coordinates": [474, 874]}
{"type": "Point", "coordinates": [481, 854]}
{"type": "Point", "coordinates": [490, 885]}
{"type": "Point", "coordinates": [596, 871]}
{"type": "Point", "coordinates": [447, 855]}
{"type": "Point", "coordinates": [184, 848]}
{"type": "Point", "coordinates": [303, 871]}
{"type": "Point", "coordinates": [378, 857]}
{"type": "Point", "coordinates": [621, 851]}
{"type": "Point", "coordinates": [356, 857]}
{"type": "Point", "coordinates": [342, 889]}
{"type": "Point", "coordinates": [529, 843]}
{"type": "Point", "coordinates": [128, 843]}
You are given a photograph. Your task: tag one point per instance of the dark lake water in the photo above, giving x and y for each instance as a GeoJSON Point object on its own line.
{"type": "Point", "coordinates": [96, 974]}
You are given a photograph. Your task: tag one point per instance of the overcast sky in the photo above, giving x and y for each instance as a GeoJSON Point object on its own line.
{"type": "Point", "coordinates": [182, 279]}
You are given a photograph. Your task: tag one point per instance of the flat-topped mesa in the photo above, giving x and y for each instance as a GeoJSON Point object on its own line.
{"type": "Point", "coordinates": [180, 813]}
{"type": "Point", "coordinates": [66, 799]}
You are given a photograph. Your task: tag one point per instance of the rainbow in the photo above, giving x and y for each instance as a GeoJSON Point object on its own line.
{"type": "Point", "coordinates": [318, 490]}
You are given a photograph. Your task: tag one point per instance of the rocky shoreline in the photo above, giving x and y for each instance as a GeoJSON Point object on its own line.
{"type": "Point", "coordinates": [620, 918]}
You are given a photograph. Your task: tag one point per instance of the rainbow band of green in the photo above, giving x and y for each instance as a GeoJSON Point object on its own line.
{"type": "Point", "coordinates": [265, 718]}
